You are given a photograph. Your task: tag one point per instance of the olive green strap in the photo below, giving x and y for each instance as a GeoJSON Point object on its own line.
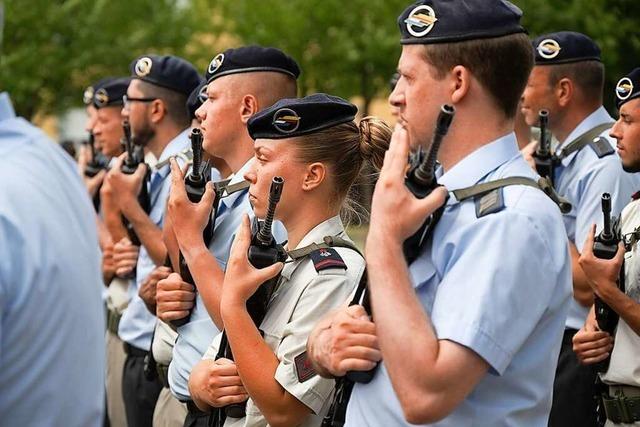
{"type": "Point", "coordinates": [328, 242]}
{"type": "Point", "coordinates": [542, 184]}
{"type": "Point", "coordinates": [581, 141]}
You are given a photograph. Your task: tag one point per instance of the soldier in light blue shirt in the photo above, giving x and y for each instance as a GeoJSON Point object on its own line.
{"type": "Point", "coordinates": [469, 332]}
{"type": "Point", "coordinates": [51, 316]}
{"type": "Point", "coordinates": [246, 79]}
{"type": "Point", "coordinates": [155, 107]}
{"type": "Point", "coordinates": [567, 80]}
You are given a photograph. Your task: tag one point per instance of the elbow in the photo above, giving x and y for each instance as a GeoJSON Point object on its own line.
{"type": "Point", "coordinates": [282, 419]}
{"type": "Point", "coordinates": [583, 297]}
{"type": "Point", "coordinates": [420, 409]}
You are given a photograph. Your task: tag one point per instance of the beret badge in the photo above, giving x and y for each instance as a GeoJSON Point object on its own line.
{"type": "Point", "coordinates": [420, 21]}
{"type": "Point", "coordinates": [216, 63]}
{"type": "Point", "coordinates": [87, 96]}
{"type": "Point", "coordinates": [286, 120]}
{"type": "Point", "coordinates": [143, 66]}
{"type": "Point", "coordinates": [624, 88]}
{"type": "Point", "coordinates": [101, 97]}
{"type": "Point", "coordinates": [549, 48]}
{"type": "Point", "coordinates": [202, 94]}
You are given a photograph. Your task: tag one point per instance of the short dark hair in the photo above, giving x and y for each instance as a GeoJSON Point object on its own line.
{"type": "Point", "coordinates": [501, 64]}
{"type": "Point", "coordinates": [175, 102]}
{"type": "Point", "coordinates": [588, 76]}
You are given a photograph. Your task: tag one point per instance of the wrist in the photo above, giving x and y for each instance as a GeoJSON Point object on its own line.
{"type": "Point", "coordinates": [609, 292]}
{"type": "Point", "coordinates": [380, 246]}
{"type": "Point", "coordinates": [193, 250]}
{"type": "Point", "coordinates": [231, 304]}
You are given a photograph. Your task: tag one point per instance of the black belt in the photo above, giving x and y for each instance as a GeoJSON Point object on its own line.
{"type": "Point", "coordinates": [567, 337]}
{"type": "Point", "coordinates": [134, 351]}
{"type": "Point", "coordinates": [194, 410]}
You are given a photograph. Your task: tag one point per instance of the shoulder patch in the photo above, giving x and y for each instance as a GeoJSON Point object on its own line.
{"type": "Point", "coordinates": [601, 147]}
{"type": "Point", "coordinates": [327, 258]}
{"type": "Point", "coordinates": [304, 369]}
{"type": "Point", "coordinates": [489, 203]}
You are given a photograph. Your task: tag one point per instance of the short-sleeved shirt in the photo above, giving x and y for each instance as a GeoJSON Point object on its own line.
{"type": "Point", "coordinates": [52, 351]}
{"type": "Point", "coordinates": [137, 323]}
{"type": "Point", "coordinates": [624, 367]}
{"type": "Point", "coordinates": [302, 296]}
{"type": "Point", "coordinates": [499, 285]}
{"type": "Point", "coordinates": [195, 336]}
{"type": "Point", "coordinates": [581, 179]}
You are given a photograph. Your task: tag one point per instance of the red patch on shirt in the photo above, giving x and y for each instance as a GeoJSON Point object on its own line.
{"type": "Point", "coordinates": [304, 369]}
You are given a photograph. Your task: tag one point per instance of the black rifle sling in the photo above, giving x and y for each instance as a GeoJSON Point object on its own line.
{"type": "Point", "coordinates": [582, 141]}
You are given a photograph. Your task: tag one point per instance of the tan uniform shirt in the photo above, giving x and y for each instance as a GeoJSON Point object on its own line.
{"type": "Point", "coordinates": [302, 297]}
{"type": "Point", "coordinates": [624, 367]}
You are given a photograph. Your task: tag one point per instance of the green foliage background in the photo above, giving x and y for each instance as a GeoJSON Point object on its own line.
{"type": "Point", "coordinates": [52, 49]}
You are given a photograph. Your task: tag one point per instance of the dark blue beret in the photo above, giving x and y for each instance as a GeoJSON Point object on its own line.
{"type": "Point", "coordinates": [301, 116]}
{"type": "Point", "coordinates": [166, 71]}
{"type": "Point", "coordinates": [89, 91]}
{"type": "Point", "coordinates": [446, 21]}
{"type": "Point", "coordinates": [196, 99]}
{"type": "Point", "coordinates": [565, 47]}
{"type": "Point", "coordinates": [250, 59]}
{"type": "Point", "coordinates": [109, 92]}
{"type": "Point", "coordinates": [628, 88]}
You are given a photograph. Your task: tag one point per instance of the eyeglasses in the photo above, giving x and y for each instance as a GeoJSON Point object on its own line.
{"type": "Point", "coordinates": [127, 100]}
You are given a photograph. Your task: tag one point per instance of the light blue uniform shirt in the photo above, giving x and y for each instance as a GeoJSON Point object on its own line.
{"type": "Point", "coordinates": [195, 337]}
{"type": "Point", "coordinates": [137, 323]}
{"type": "Point", "coordinates": [52, 352]}
{"type": "Point", "coordinates": [582, 178]}
{"type": "Point", "coordinates": [498, 285]}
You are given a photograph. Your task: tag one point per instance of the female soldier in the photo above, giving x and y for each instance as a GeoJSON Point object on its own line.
{"type": "Point", "coordinates": [316, 147]}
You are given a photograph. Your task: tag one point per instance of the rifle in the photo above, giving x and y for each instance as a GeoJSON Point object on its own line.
{"type": "Point", "coordinates": [605, 247]}
{"type": "Point", "coordinates": [129, 166]}
{"type": "Point", "coordinates": [544, 159]}
{"type": "Point", "coordinates": [98, 160]}
{"type": "Point", "coordinates": [263, 252]}
{"type": "Point", "coordinates": [195, 185]}
{"type": "Point", "coordinates": [421, 181]}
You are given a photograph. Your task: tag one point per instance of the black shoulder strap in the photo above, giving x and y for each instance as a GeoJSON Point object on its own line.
{"type": "Point", "coordinates": [583, 140]}
{"type": "Point", "coordinates": [542, 184]}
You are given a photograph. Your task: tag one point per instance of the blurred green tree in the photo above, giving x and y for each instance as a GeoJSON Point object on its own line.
{"type": "Point", "coordinates": [52, 49]}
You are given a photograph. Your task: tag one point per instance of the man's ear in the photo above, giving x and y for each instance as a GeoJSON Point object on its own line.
{"type": "Point", "coordinates": [248, 108]}
{"type": "Point", "coordinates": [157, 111]}
{"type": "Point", "coordinates": [460, 82]}
{"type": "Point", "coordinates": [314, 176]}
{"type": "Point", "coordinates": [564, 91]}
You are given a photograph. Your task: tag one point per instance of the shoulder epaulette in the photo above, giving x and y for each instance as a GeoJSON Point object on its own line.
{"type": "Point", "coordinates": [489, 203]}
{"type": "Point", "coordinates": [601, 147]}
{"type": "Point", "coordinates": [325, 258]}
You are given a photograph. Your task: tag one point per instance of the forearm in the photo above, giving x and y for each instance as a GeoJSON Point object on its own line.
{"type": "Point", "coordinates": [415, 343]}
{"type": "Point", "coordinates": [149, 234]}
{"type": "Point", "coordinates": [208, 278]}
{"type": "Point", "coordinates": [627, 309]}
{"type": "Point", "coordinates": [257, 366]}
{"type": "Point", "coordinates": [582, 292]}
{"type": "Point", "coordinates": [113, 219]}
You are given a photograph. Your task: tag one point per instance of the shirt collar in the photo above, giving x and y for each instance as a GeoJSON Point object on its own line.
{"type": "Point", "coordinates": [234, 179]}
{"type": "Point", "coordinates": [470, 170]}
{"type": "Point", "coordinates": [177, 144]}
{"type": "Point", "coordinates": [6, 108]}
{"type": "Point", "coordinates": [594, 119]}
{"type": "Point", "coordinates": [331, 227]}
